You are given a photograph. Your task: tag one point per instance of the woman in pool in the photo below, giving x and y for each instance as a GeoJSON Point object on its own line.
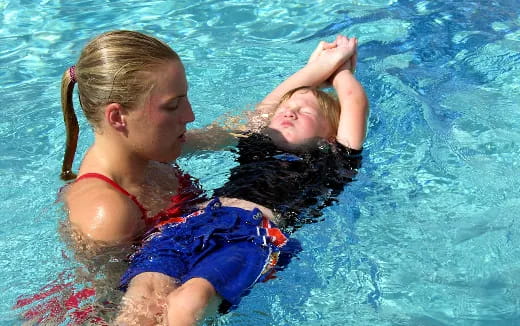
{"type": "Point", "coordinates": [235, 251]}
{"type": "Point", "coordinates": [133, 91]}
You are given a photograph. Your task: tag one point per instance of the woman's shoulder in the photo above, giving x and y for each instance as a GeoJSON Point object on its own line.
{"type": "Point", "coordinates": [101, 212]}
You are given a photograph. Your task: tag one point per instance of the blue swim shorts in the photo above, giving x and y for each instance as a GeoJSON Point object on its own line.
{"type": "Point", "coordinates": [232, 248]}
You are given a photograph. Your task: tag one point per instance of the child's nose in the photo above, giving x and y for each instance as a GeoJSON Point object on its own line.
{"type": "Point", "coordinates": [289, 113]}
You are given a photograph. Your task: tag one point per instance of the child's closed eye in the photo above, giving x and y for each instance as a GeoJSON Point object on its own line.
{"type": "Point", "coordinates": [307, 111]}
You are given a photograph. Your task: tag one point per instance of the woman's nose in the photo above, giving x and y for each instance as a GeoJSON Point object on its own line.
{"type": "Point", "coordinates": [189, 116]}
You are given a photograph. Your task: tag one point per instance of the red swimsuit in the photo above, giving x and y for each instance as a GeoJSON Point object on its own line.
{"type": "Point", "coordinates": [189, 189]}
{"type": "Point", "coordinates": [62, 299]}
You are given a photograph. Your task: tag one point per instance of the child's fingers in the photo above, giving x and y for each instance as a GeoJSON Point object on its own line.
{"type": "Point", "coordinates": [354, 62]}
{"type": "Point", "coordinates": [317, 51]}
{"type": "Point", "coordinates": [341, 40]}
{"type": "Point", "coordinates": [354, 56]}
{"type": "Point", "coordinates": [319, 48]}
{"type": "Point", "coordinates": [327, 46]}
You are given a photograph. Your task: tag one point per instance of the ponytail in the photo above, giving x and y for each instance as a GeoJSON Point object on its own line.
{"type": "Point", "coordinates": [112, 68]}
{"type": "Point", "coordinates": [71, 122]}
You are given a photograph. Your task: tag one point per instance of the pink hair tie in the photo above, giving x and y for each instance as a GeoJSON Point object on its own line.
{"type": "Point", "coordinates": [72, 74]}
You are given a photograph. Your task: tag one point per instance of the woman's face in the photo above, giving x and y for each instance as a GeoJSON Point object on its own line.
{"type": "Point", "coordinates": [157, 129]}
{"type": "Point", "coordinates": [299, 119]}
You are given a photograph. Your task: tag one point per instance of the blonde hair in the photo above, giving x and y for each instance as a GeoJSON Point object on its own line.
{"type": "Point", "coordinates": [328, 103]}
{"type": "Point", "coordinates": [115, 67]}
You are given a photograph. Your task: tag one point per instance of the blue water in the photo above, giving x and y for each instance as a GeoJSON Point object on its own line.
{"type": "Point", "coordinates": [428, 234]}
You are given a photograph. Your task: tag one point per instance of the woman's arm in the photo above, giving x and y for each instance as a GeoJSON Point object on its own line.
{"type": "Point", "coordinates": [212, 137]}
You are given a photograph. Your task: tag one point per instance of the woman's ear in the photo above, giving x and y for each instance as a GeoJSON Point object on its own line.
{"type": "Point", "coordinates": [115, 116]}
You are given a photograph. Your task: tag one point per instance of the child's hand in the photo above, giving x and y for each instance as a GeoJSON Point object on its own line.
{"type": "Point", "coordinates": [322, 46]}
{"type": "Point", "coordinates": [349, 45]}
{"type": "Point", "coordinates": [333, 56]}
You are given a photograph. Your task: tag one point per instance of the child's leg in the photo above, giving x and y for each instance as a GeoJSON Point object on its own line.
{"type": "Point", "coordinates": [145, 300]}
{"type": "Point", "coordinates": [156, 299]}
{"type": "Point", "coordinates": [187, 303]}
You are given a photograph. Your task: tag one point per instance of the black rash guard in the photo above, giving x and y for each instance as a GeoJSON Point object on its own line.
{"type": "Point", "coordinates": [295, 185]}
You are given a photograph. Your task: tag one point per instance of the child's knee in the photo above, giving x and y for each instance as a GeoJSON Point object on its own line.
{"type": "Point", "coordinates": [195, 292]}
{"type": "Point", "coordinates": [189, 301]}
{"type": "Point", "coordinates": [144, 303]}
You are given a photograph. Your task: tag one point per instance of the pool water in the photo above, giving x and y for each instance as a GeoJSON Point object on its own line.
{"type": "Point", "coordinates": [428, 234]}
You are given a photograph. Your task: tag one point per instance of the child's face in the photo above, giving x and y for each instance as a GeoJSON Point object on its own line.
{"type": "Point", "coordinates": [300, 119]}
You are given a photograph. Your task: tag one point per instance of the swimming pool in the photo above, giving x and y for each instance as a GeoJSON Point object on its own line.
{"type": "Point", "coordinates": [428, 234]}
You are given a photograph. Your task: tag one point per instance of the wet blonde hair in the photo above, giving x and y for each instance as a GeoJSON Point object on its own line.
{"type": "Point", "coordinates": [115, 67]}
{"type": "Point", "coordinates": [328, 103]}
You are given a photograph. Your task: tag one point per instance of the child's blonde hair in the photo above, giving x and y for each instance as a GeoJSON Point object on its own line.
{"type": "Point", "coordinates": [327, 102]}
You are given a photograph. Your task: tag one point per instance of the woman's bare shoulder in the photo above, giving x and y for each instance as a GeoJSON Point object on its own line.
{"type": "Point", "coordinates": [101, 213]}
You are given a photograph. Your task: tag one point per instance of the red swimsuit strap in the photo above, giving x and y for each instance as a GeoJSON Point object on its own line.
{"type": "Point", "coordinates": [115, 185]}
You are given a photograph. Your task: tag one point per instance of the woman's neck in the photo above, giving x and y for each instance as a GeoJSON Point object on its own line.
{"type": "Point", "coordinates": [110, 156]}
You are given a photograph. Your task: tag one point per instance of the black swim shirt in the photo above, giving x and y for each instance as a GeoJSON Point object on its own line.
{"type": "Point", "coordinates": [295, 185]}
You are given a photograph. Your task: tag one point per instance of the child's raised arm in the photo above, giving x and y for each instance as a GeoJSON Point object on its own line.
{"type": "Point", "coordinates": [353, 102]}
{"type": "Point", "coordinates": [323, 62]}
{"type": "Point", "coordinates": [328, 63]}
